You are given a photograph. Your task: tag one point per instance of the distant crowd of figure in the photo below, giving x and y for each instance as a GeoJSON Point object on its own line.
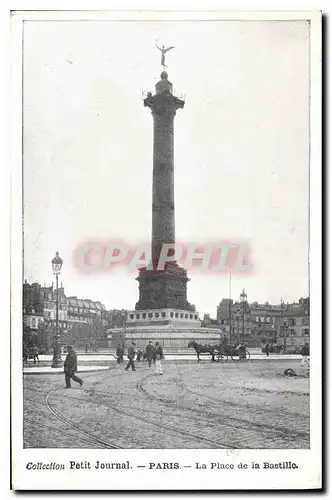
{"type": "Point", "coordinates": [153, 354]}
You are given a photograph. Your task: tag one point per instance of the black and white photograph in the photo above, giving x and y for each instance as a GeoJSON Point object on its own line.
{"type": "Point", "coordinates": [166, 228]}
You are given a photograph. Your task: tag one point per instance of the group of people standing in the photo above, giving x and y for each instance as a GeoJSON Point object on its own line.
{"type": "Point", "coordinates": [32, 352]}
{"type": "Point", "coordinates": [153, 354]}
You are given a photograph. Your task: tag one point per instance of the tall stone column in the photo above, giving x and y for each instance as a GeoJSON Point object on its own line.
{"type": "Point", "coordinates": [163, 106]}
{"type": "Point", "coordinates": [163, 288]}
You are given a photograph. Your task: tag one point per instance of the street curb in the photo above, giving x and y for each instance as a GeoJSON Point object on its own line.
{"type": "Point", "coordinates": [97, 369]}
{"type": "Point", "coordinates": [53, 372]}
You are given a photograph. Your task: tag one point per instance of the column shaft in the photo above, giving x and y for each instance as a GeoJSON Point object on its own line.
{"type": "Point", "coordinates": [163, 220]}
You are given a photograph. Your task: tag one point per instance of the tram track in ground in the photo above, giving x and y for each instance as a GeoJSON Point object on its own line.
{"type": "Point", "coordinates": [62, 432]}
{"type": "Point", "coordinates": [275, 431]}
{"type": "Point", "coordinates": [107, 399]}
{"type": "Point", "coordinates": [88, 438]}
{"type": "Point", "coordinates": [217, 402]}
{"type": "Point", "coordinates": [66, 421]}
{"type": "Point", "coordinates": [159, 425]}
{"type": "Point", "coordinates": [115, 407]}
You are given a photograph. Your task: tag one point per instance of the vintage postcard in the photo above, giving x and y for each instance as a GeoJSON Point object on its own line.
{"type": "Point", "coordinates": [166, 197]}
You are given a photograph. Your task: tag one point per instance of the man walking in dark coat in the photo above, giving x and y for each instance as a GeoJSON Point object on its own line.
{"type": "Point", "coordinates": [305, 355]}
{"type": "Point", "coordinates": [131, 357]}
{"type": "Point", "coordinates": [150, 352]}
{"type": "Point", "coordinates": [119, 353]}
{"type": "Point", "coordinates": [35, 352]}
{"type": "Point", "coordinates": [70, 367]}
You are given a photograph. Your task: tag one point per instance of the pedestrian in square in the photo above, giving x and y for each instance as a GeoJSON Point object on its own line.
{"type": "Point", "coordinates": [150, 352]}
{"type": "Point", "coordinates": [35, 352]}
{"type": "Point", "coordinates": [25, 353]}
{"type": "Point", "coordinates": [159, 356]}
{"type": "Point", "coordinates": [119, 354]}
{"type": "Point", "coordinates": [139, 355]}
{"type": "Point", "coordinates": [267, 349]}
{"type": "Point", "coordinates": [131, 357]}
{"type": "Point", "coordinates": [305, 355]}
{"type": "Point", "coordinates": [70, 367]}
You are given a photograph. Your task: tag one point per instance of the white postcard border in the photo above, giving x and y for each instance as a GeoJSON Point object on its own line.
{"type": "Point", "coordinates": [309, 473]}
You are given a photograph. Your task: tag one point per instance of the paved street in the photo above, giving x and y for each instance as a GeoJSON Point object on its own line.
{"type": "Point", "coordinates": [206, 405]}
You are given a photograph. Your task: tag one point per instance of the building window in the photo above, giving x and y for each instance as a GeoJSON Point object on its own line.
{"type": "Point", "coordinates": [186, 316]}
{"type": "Point", "coordinates": [131, 316]}
{"type": "Point", "coordinates": [150, 315]}
{"type": "Point", "coordinates": [176, 315]}
{"type": "Point", "coordinates": [305, 332]}
{"type": "Point", "coordinates": [181, 315]}
{"type": "Point", "coordinates": [191, 316]}
{"type": "Point", "coordinates": [137, 316]}
{"type": "Point", "coordinates": [171, 314]}
{"type": "Point", "coordinates": [196, 317]}
{"type": "Point", "coordinates": [157, 315]}
{"type": "Point", "coordinates": [143, 315]}
{"type": "Point", "coordinates": [163, 314]}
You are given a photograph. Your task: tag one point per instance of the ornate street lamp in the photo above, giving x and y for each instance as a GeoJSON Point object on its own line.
{"type": "Point", "coordinates": [56, 266]}
{"type": "Point", "coordinates": [243, 300]}
{"type": "Point", "coordinates": [285, 335]}
{"type": "Point", "coordinates": [124, 321]}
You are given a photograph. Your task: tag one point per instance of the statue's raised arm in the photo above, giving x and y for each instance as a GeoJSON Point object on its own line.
{"type": "Point", "coordinates": [158, 46]}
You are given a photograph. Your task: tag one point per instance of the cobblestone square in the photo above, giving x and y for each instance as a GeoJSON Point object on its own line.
{"type": "Point", "coordinates": [192, 405]}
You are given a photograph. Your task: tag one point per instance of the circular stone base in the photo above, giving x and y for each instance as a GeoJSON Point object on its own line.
{"type": "Point", "coordinates": [170, 337]}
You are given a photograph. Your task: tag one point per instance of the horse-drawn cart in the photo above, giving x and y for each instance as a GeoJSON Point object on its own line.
{"type": "Point", "coordinates": [220, 352]}
{"type": "Point", "coordinates": [235, 353]}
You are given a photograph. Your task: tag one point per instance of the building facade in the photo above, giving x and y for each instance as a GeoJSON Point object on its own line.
{"type": "Point", "coordinates": [81, 321]}
{"type": "Point", "coordinates": [285, 324]}
{"type": "Point", "coordinates": [295, 326]}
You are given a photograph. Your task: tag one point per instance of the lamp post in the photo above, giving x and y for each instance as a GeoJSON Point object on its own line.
{"type": "Point", "coordinates": [124, 322]}
{"type": "Point", "coordinates": [230, 306]}
{"type": "Point", "coordinates": [56, 266]}
{"type": "Point", "coordinates": [285, 335]}
{"type": "Point", "coordinates": [243, 299]}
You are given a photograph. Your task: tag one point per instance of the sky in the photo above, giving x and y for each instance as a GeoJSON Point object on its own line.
{"type": "Point", "coordinates": [241, 149]}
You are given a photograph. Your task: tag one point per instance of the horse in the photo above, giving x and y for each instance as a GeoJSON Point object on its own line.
{"type": "Point", "coordinates": [199, 348]}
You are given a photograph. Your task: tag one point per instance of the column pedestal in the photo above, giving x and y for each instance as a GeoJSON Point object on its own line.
{"type": "Point", "coordinates": [165, 289]}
